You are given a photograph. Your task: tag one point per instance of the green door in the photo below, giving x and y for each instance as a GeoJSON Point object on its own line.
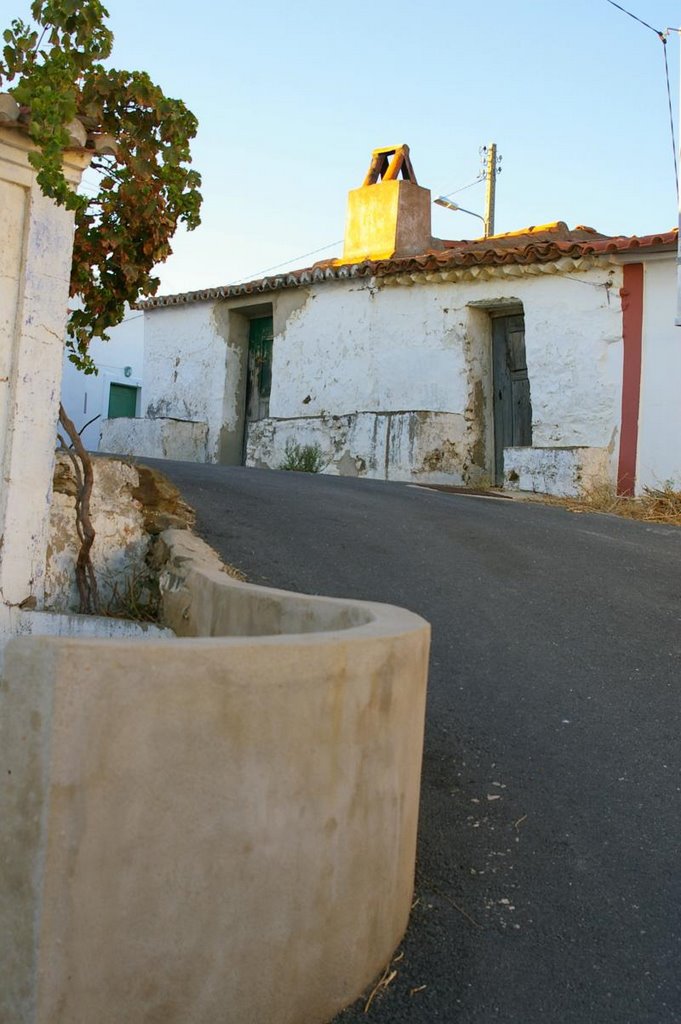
{"type": "Point", "coordinates": [122, 401]}
{"type": "Point", "coordinates": [512, 404]}
{"type": "Point", "coordinates": [259, 381]}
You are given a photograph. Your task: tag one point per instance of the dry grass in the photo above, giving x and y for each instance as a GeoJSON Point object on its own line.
{"type": "Point", "coordinates": [661, 505]}
{"type": "Point", "coordinates": [236, 574]}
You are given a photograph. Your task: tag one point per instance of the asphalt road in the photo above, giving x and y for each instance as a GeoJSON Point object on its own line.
{"type": "Point", "coordinates": [549, 865]}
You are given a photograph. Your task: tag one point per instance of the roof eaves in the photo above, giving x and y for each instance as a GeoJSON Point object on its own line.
{"type": "Point", "coordinates": [435, 260]}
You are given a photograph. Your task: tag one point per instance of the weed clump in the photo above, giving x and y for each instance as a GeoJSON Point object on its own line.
{"type": "Point", "coordinates": [302, 458]}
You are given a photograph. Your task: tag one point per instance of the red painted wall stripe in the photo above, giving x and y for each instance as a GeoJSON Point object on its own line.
{"type": "Point", "coordinates": [632, 335]}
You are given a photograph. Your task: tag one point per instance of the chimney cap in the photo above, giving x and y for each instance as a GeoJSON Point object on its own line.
{"type": "Point", "coordinates": [388, 163]}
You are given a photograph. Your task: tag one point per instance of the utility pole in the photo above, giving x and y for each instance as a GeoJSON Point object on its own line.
{"type": "Point", "coordinates": [492, 168]}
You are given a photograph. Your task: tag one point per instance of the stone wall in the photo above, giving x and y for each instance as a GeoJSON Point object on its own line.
{"type": "Point", "coordinates": [129, 506]}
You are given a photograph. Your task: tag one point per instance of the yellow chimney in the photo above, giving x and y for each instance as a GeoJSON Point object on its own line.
{"type": "Point", "coordinates": [387, 216]}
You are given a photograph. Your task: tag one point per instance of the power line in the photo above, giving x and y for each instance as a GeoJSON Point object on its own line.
{"type": "Point", "coordinates": [657, 32]}
{"type": "Point", "coordinates": [671, 112]}
{"type": "Point", "coordinates": [462, 188]}
{"type": "Point", "coordinates": [257, 273]}
{"type": "Point", "coordinates": [662, 35]}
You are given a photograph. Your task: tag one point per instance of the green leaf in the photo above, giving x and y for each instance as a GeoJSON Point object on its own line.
{"type": "Point", "coordinates": [144, 192]}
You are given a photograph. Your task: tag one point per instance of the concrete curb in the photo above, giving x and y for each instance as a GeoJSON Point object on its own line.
{"type": "Point", "coordinates": [214, 828]}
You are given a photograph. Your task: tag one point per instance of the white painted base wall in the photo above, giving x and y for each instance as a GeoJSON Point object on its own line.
{"type": "Point", "coordinates": [158, 439]}
{"type": "Point", "coordinates": [381, 446]}
{"type": "Point", "coordinates": [564, 472]}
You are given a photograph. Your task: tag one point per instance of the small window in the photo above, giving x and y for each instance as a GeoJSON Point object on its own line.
{"type": "Point", "coordinates": [122, 401]}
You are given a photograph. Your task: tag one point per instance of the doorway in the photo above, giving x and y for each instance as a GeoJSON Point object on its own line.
{"type": "Point", "coordinates": [511, 389]}
{"type": "Point", "coordinates": [259, 376]}
{"type": "Point", "coordinates": [258, 373]}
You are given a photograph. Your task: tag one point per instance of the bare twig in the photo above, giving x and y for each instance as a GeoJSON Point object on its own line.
{"type": "Point", "coordinates": [386, 978]}
{"type": "Point", "coordinates": [448, 898]}
{"type": "Point", "coordinates": [86, 580]}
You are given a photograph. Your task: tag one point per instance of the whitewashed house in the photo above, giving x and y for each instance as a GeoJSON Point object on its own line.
{"type": "Point", "coordinates": [545, 359]}
{"type": "Point", "coordinates": [116, 389]}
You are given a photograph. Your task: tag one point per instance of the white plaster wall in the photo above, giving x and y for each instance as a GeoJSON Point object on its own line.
{"type": "Point", "coordinates": [573, 335]}
{"type": "Point", "coordinates": [356, 348]}
{"type": "Point", "coordinates": [659, 438]}
{"type": "Point", "coordinates": [357, 352]}
{"type": "Point", "coordinates": [36, 241]}
{"type": "Point", "coordinates": [85, 396]}
{"type": "Point", "coordinates": [185, 368]}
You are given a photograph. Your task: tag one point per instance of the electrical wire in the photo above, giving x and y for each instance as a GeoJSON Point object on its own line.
{"type": "Point", "coordinates": [462, 188]}
{"type": "Point", "coordinates": [662, 35]}
{"type": "Point", "coordinates": [671, 112]}
{"type": "Point", "coordinates": [636, 18]}
{"type": "Point", "coordinates": [257, 273]}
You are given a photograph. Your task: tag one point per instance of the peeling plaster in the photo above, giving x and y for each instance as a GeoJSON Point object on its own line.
{"type": "Point", "coordinates": [288, 306]}
{"type": "Point", "coordinates": [403, 445]}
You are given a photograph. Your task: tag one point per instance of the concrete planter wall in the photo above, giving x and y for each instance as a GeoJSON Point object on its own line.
{"type": "Point", "coordinates": [217, 828]}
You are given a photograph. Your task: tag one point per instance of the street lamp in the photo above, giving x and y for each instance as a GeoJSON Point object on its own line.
{"type": "Point", "coordinates": [489, 174]}
{"type": "Point", "coordinates": [449, 205]}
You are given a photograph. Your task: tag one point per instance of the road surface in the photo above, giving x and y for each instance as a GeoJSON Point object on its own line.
{"type": "Point", "coordinates": [549, 863]}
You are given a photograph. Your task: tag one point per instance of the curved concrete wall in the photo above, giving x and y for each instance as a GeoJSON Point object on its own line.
{"type": "Point", "coordinates": [211, 829]}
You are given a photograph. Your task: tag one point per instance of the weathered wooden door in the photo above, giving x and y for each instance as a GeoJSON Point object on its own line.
{"type": "Point", "coordinates": [259, 378]}
{"type": "Point", "coordinates": [512, 405]}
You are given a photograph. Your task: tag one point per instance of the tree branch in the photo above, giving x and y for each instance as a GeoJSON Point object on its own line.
{"type": "Point", "coordinates": [86, 580]}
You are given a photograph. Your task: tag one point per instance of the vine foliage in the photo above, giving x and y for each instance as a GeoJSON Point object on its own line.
{"type": "Point", "coordinates": [54, 68]}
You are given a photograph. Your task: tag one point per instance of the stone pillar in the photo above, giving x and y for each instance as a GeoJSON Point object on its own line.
{"type": "Point", "coordinates": [35, 266]}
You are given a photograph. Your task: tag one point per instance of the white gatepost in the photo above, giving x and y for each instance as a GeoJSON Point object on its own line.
{"type": "Point", "coordinates": [36, 243]}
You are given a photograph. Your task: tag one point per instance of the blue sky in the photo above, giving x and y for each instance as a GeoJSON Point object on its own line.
{"type": "Point", "coordinates": [293, 96]}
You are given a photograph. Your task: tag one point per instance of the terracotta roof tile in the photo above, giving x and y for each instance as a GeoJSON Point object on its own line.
{"type": "Point", "coordinates": [543, 244]}
{"type": "Point", "coordinates": [528, 249]}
